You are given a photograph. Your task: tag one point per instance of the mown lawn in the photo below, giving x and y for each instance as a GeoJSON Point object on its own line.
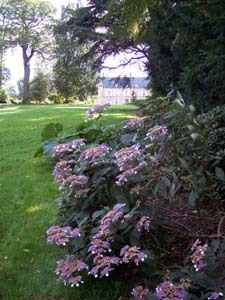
{"type": "Point", "coordinates": [26, 201]}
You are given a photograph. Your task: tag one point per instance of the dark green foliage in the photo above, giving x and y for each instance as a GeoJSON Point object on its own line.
{"type": "Point", "coordinates": [50, 138]}
{"type": "Point", "coordinates": [39, 87]}
{"type": "Point", "coordinates": [74, 78]}
{"type": "Point", "coordinates": [55, 98]}
{"type": "Point", "coordinates": [182, 42]}
{"type": "Point", "coordinates": [3, 96]}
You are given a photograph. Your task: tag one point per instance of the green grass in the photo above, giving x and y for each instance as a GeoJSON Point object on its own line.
{"type": "Point", "coordinates": [26, 207]}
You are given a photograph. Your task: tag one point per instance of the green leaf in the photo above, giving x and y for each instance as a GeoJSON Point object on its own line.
{"type": "Point", "coordinates": [151, 297]}
{"type": "Point", "coordinates": [39, 152]}
{"type": "Point", "coordinates": [49, 145]}
{"type": "Point", "coordinates": [97, 214]}
{"type": "Point", "coordinates": [193, 196]}
{"type": "Point", "coordinates": [202, 280]}
{"type": "Point", "coordinates": [166, 181]}
{"type": "Point", "coordinates": [220, 173]}
{"type": "Point", "coordinates": [126, 139]}
{"type": "Point", "coordinates": [51, 130]}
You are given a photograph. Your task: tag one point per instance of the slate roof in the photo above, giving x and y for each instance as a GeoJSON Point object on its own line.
{"type": "Point", "coordinates": [124, 82]}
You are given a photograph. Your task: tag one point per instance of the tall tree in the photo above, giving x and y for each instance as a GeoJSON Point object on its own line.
{"type": "Point", "coordinates": [30, 21]}
{"type": "Point", "coordinates": [74, 77]}
{"type": "Point", "coordinates": [5, 41]}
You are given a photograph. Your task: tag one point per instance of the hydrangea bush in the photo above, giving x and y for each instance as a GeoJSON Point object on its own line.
{"type": "Point", "coordinates": [137, 205]}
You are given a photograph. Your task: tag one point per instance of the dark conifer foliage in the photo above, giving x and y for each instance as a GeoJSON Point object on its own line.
{"type": "Point", "coordinates": [182, 42]}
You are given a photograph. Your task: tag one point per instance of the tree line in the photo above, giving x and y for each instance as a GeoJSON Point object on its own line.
{"type": "Point", "coordinates": [30, 25]}
{"type": "Point", "coordinates": [181, 43]}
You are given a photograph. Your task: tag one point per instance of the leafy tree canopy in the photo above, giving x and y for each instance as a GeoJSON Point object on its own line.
{"type": "Point", "coordinates": [30, 22]}
{"type": "Point", "coordinates": [182, 42]}
{"type": "Point", "coordinates": [74, 77]}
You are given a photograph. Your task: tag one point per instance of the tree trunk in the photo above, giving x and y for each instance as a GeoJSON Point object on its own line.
{"type": "Point", "coordinates": [1, 75]}
{"type": "Point", "coordinates": [26, 78]}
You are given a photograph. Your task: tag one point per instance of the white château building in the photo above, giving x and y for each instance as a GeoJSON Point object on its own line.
{"type": "Point", "coordinates": [120, 90]}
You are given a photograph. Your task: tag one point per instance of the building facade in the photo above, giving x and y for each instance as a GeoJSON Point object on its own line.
{"type": "Point", "coordinates": [122, 90]}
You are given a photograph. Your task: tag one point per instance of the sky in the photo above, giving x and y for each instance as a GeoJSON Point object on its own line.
{"type": "Point", "coordinates": [15, 64]}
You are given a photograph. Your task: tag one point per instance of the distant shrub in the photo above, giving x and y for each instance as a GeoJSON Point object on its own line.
{"type": "Point", "coordinates": [3, 96]}
{"type": "Point", "coordinates": [56, 98]}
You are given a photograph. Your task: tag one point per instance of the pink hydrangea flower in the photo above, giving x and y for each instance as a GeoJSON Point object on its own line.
{"type": "Point", "coordinates": [68, 270]}
{"type": "Point", "coordinates": [104, 265]}
{"type": "Point", "coordinates": [74, 180]}
{"type": "Point", "coordinates": [143, 224]}
{"type": "Point", "coordinates": [68, 148]}
{"type": "Point", "coordinates": [61, 235]}
{"type": "Point", "coordinates": [198, 253]}
{"type": "Point", "coordinates": [215, 296]}
{"type": "Point", "coordinates": [132, 254]}
{"type": "Point", "coordinates": [97, 109]}
{"type": "Point", "coordinates": [138, 122]}
{"type": "Point", "coordinates": [94, 155]}
{"type": "Point", "coordinates": [167, 290]}
{"type": "Point", "coordinates": [157, 132]}
{"type": "Point", "coordinates": [139, 292]}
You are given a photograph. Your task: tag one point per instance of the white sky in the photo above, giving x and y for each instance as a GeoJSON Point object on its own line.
{"type": "Point", "coordinates": [15, 64]}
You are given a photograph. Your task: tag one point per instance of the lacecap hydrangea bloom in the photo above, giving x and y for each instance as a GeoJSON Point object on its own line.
{"type": "Point", "coordinates": [167, 290]}
{"type": "Point", "coordinates": [216, 296]}
{"type": "Point", "coordinates": [125, 157]}
{"type": "Point", "coordinates": [94, 155]}
{"type": "Point", "coordinates": [97, 109]}
{"type": "Point", "coordinates": [129, 174]}
{"type": "Point", "coordinates": [62, 170]}
{"type": "Point", "coordinates": [198, 253]}
{"type": "Point", "coordinates": [138, 122]}
{"type": "Point", "coordinates": [104, 265]}
{"type": "Point", "coordinates": [132, 254]}
{"type": "Point", "coordinates": [61, 235]}
{"type": "Point", "coordinates": [74, 181]}
{"type": "Point", "coordinates": [69, 269]}
{"type": "Point", "coordinates": [139, 292]}
{"type": "Point", "coordinates": [128, 160]}
{"type": "Point", "coordinates": [143, 224]}
{"type": "Point", "coordinates": [157, 132]}
{"type": "Point", "coordinates": [67, 148]}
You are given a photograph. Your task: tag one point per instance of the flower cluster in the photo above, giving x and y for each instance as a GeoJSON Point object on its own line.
{"type": "Point", "coordinates": [66, 269]}
{"type": "Point", "coordinates": [132, 254]}
{"type": "Point", "coordinates": [104, 265]}
{"type": "Point", "coordinates": [134, 123]}
{"type": "Point", "coordinates": [112, 216]}
{"type": "Point", "coordinates": [67, 148]}
{"type": "Point", "coordinates": [62, 170]}
{"type": "Point", "coordinates": [128, 161]}
{"type": "Point", "coordinates": [127, 175]}
{"type": "Point", "coordinates": [157, 132]}
{"type": "Point", "coordinates": [143, 224]}
{"type": "Point", "coordinates": [101, 242]}
{"type": "Point", "coordinates": [167, 290]}
{"type": "Point", "coordinates": [61, 235]}
{"type": "Point", "coordinates": [137, 190]}
{"type": "Point", "coordinates": [126, 156]}
{"type": "Point", "coordinates": [99, 246]}
{"type": "Point", "coordinates": [215, 296]}
{"type": "Point", "coordinates": [198, 253]}
{"type": "Point", "coordinates": [94, 155]}
{"type": "Point", "coordinates": [139, 292]}
{"type": "Point", "coordinates": [97, 109]}
{"type": "Point", "coordinates": [74, 181]}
